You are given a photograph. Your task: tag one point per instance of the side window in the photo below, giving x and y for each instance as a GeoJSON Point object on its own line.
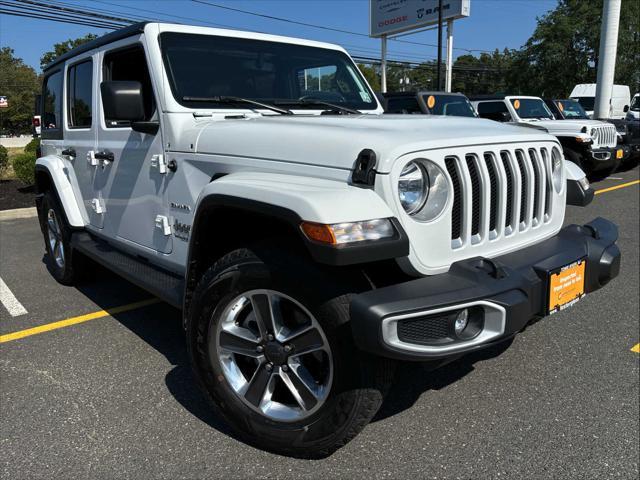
{"type": "Point", "coordinates": [494, 111]}
{"type": "Point", "coordinates": [79, 95]}
{"type": "Point", "coordinates": [403, 105]}
{"type": "Point", "coordinates": [130, 64]}
{"type": "Point", "coordinates": [52, 106]}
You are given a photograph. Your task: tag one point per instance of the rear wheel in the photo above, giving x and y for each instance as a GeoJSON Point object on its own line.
{"type": "Point", "coordinates": [271, 345]}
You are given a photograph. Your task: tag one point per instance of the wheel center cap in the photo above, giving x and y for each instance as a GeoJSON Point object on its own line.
{"type": "Point", "coordinates": [275, 353]}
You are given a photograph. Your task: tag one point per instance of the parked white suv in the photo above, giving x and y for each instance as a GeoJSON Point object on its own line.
{"type": "Point", "coordinates": [590, 144]}
{"type": "Point", "coordinates": [252, 181]}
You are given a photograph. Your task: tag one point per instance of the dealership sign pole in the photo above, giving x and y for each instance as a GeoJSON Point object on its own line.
{"type": "Point", "coordinates": [392, 18]}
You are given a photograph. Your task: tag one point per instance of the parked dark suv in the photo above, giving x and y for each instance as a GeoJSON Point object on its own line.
{"type": "Point", "coordinates": [430, 103]}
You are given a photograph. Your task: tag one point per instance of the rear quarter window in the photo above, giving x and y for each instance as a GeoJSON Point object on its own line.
{"type": "Point", "coordinates": [52, 106]}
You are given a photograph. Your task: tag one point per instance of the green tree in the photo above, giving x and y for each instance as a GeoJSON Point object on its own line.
{"type": "Point", "coordinates": [563, 50]}
{"type": "Point", "coordinates": [63, 47]}
{"type": "Point", "coordinates": [19, 83]}
{"type": "Point", "coordinates": [372, 74]}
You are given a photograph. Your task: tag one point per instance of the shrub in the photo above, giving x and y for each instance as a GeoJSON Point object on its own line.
{"type": "Point", "coordinates": [32, 145]}
{"type": "Point", "coordinates": [24, 166]}
{"type": "Point", "coordinates": [4, 160]}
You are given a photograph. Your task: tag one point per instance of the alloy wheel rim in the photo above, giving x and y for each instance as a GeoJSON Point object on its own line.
{"type": "Point", "coordinates": [274, 355]}
{"type": "Point", "coordinates": [56, 245]}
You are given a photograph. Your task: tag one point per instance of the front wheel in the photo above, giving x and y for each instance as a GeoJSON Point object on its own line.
{"type": "Point", "coordinates": [57, 239]}
{"type": "Point", "coordinates": [271, 345]}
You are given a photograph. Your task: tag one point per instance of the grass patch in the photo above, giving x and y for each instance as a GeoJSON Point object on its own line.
{"type": "Point", "coordinates": [12, 153]}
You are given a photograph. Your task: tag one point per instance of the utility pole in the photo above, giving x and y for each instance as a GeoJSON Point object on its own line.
{"type": "Point", "coordinates": [439, 86]}
{"type": "Point", "coordinates": [383, 64]}
{"type": "Point", "coordinates": [607, 57]}
{"type": "Point", "coordinates": [449, 73]}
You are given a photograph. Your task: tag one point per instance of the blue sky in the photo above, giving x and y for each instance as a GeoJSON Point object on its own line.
{"type": "Point", "coordinates": [492, 24]}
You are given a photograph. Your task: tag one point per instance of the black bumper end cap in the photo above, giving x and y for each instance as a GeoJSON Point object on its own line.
{"type": "Point", "coordinates": [577, 195]}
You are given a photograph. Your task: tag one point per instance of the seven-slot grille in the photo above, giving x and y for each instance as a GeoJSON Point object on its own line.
{"type": "Point", "coordinates": [604, 136]}
{"type": "Point", "coordinates": [499, 192]}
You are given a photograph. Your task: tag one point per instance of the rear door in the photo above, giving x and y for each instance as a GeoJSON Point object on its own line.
{"type": "Point", "coordinates": [134, 184]}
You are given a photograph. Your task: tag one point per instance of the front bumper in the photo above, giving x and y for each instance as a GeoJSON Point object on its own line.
{"type": "Point", "coordinates": [603, 158]}
{"type": "Point", "coordinates": [511, 290]}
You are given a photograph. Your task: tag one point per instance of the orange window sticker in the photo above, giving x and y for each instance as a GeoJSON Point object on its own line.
{"type": "Point", "coordinates": [431, 101]}
{"type": "Point", "coordinates": [516, 104]}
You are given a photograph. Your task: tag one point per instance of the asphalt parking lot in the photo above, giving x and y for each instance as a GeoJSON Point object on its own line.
{"type": "Point", "coordinates": [109, 393]}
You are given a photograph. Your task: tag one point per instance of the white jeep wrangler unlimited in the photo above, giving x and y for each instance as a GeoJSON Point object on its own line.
{"type": "Point", "coordinates": [252, 181]}
{"type": "Point", "coordinates": [590, 144]}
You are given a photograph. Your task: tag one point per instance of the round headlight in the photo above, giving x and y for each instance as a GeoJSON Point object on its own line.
{"type": "Point", "coordinates": [556, 169]}
{"type": "Point", "coordinates": [423, 190]}
{"type": "Point", "coordinates": [413, 187]}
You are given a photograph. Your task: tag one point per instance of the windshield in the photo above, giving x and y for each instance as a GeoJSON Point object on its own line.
{"type": "Point", "coordinates": [531, 108]}
{"type": "Point", "coordinates": [635, 103]}
{"type": "Point", "coordinates": [586, 102]}
{"type": "Point", "coordinates": [455, 105]}
{"type": "Point", "coordinates": [202, 67]}
{"type": "Point", "coordinates": [571, 109]}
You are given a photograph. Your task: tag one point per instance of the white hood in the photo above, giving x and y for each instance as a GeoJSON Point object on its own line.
{"type": "Point", "coordinates": [559, 127]}
{"type": "Point", "coordinates": [336, 141]}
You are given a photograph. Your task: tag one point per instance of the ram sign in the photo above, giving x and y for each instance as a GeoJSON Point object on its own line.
{"type": "Point", "coordinates": [395, 16]}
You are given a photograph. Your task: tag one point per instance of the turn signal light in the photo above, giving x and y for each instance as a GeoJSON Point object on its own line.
{"type": "Point", "coordinates": [348, 232]}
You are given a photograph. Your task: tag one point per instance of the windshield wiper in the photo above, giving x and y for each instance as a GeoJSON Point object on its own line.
{"type": "Point", "coordinates": [231, 100]}
{"type": "Point", "coordinates": [312, 101]}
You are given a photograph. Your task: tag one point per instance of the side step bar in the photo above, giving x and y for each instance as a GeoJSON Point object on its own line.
{"type": "Point", "coordinates": [160, 283]}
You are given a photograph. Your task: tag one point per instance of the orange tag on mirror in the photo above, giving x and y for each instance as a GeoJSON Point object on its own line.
{"type": "Point", "coordinates": [516, 104]}
{"type": "Point", "coordinates": [431, 101]}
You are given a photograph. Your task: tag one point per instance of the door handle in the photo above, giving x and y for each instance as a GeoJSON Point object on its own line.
{"type": "Point", "coordinates": [69, 152]}
{"type": "Point", "coordinates": [106, 157]}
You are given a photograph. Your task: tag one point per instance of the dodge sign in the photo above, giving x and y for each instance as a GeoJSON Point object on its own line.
{"type": "Point", "coordinates": [395, 16]}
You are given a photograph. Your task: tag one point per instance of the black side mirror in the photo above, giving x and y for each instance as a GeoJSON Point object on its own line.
{"type": "Point", "coordinates": [122, 100]}
{"type": "Point", "coordinates": [625, 109]}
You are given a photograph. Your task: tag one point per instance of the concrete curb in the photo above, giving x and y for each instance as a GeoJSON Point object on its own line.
{"type": "Point", "coordinates": [18, 213]}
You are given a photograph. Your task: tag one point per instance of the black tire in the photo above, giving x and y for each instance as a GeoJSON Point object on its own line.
{"type": "Point", "coordinates": [65, 272]}
{"type": "Point", "coordinates": [359, 380]}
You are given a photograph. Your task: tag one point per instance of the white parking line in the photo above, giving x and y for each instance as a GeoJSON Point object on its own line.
{"type": "Point", "coordinates": [9, 301]}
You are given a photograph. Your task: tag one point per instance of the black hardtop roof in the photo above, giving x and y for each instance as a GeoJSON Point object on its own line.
{"type": "Point", "coordinates": [497, 96]}
{"type": "Point", "coordinates": [125, 32]}
{"type": "Point", "coordinates": [421, 92]}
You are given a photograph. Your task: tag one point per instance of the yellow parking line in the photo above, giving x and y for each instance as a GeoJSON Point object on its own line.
{"type": "Point", "coordinates": [622, 185]}
{"type": "Point", "coordinates": [636, 348]}
{"type": "Point", "coordinates": [75, 320]}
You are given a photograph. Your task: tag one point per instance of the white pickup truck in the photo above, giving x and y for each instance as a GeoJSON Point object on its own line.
{"type": "Point", "coordinates": [311, 242]}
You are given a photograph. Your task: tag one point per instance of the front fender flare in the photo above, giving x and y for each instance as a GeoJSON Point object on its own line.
{"type": "Point", "coordinates": [294, 199]}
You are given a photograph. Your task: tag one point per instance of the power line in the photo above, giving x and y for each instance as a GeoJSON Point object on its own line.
{"type": "Point", "coordinates": [43, 11]}
{"type": "Point", "coordinates": [58, 12]}
{"type": "Point", "coordinates": [322, 27]}
{"type": "Point", "coordinates": [14, 13]}
{"type": "Point", "coordinates": [41, 8]}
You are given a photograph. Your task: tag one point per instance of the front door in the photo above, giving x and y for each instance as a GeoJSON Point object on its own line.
{"type": "Point", "coordinates": [80, 134]}
{"type": "Point", "coordinates": [135, 180]}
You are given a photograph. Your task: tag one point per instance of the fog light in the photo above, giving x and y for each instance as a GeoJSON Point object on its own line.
{"type": "Point", "coordinates": [462, 319]}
